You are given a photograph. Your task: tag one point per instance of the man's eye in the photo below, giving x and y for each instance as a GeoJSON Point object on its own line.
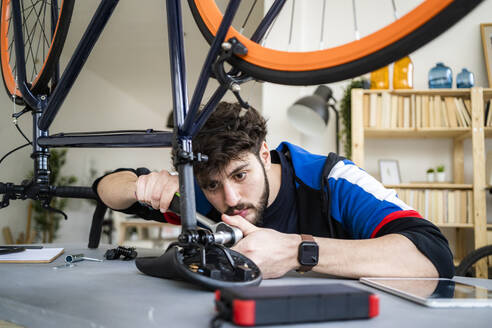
{"type": "Point", "coordinates": [240, 176]}
{"type": "Point", "coordinates": [213, 186]}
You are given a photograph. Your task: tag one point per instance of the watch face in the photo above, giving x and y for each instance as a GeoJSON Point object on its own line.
{"type": "Point", "coordinates": [308, 253]}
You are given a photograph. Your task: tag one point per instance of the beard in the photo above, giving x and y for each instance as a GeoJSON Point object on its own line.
{"type": "Point", "coordinates": [260, 207]}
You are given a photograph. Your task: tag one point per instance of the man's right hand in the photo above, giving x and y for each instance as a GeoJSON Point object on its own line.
{"type": "Point", "coordinates": [157, 189]}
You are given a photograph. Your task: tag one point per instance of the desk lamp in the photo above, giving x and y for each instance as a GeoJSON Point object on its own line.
{"type": "Point", "coordinates": [311, 114]}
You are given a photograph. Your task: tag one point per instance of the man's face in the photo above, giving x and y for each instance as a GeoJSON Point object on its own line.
{"type": "Point", "coordinates": [241, 189]}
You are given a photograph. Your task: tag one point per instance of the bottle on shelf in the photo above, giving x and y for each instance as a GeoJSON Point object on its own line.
{"type": "Point", "coordinates": [380, 78]}
{"type": "Point", "coordinates": [403, 73]}
{"type": "Point", "coordinates": [465, 79]}
{"type": "Point", "coordinates": [440, 76]}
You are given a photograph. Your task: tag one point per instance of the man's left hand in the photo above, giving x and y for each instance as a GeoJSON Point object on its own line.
{"type": "Point", "coordinates": [275, 253]}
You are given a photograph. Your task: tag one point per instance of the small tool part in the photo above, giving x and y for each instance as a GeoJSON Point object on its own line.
{"type": "Point", "coordinates": [129, 253]}
{"type": "Point", "coordinates": [223, 233]}
{"type": "Point", "coordinates": [79, 257]}
{"type": "Point", "coordinates": [64, 266]}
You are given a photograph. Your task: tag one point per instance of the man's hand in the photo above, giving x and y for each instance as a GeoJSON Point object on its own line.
{"type": "Point", "coordinates": [273, 252]}
{"type": "Point", "coordinates": [157, 189]}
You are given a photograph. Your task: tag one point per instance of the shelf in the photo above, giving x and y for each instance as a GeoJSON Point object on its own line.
{"type": "Point", "coordinates": [487, 92]}
{"type": "Point", "coordinates": [363, 104]}
{"type": "Point", "coordinates": [419, 133]}
{"type": "Point", "coordinates": [430, 92]}
{"type": "Point", "coordinates": [431, 185]}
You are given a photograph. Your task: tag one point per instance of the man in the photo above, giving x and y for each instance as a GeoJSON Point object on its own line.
{"type": "Point", "coordinates": [359, 227]}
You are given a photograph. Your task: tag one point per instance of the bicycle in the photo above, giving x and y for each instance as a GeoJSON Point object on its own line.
{"type": "Point", "coordinates": [43, 91]}
{"type": "Point", "coordinates": [466, 266]}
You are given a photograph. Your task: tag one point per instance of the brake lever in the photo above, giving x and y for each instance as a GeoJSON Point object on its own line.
{"type": "Point", "coordinates": [46, 205]}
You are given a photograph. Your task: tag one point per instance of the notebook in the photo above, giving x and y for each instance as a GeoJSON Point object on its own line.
{"type": "Point", "coordinates": [43, 255]}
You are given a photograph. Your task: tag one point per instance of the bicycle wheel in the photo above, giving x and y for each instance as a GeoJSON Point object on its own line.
{"type": "Point", "coordinates": [389, 43]}
{"type": "Point", "coordinates": [466, 265]}
{"type": "Point", "coordinates": [42, 49]}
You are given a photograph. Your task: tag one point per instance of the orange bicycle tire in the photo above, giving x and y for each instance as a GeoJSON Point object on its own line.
{"type": "Point", "coordinates": [380, 48]}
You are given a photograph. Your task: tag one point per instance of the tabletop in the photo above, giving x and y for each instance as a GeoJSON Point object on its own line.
{"type": "Point", "coordinates": [115, 294]}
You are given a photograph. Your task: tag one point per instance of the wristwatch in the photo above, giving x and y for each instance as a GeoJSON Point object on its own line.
{"type": "Point", "coordinates": [308, 253]}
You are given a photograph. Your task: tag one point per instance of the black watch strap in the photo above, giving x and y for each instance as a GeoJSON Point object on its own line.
{"type": "Point", "coordinates": [308, 238]}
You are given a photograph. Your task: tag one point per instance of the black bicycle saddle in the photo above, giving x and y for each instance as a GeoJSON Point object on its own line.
{"type": "Point", "coordinates": [212, 267]}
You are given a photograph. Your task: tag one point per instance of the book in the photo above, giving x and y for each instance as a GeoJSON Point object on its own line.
{"type": "Point", "coordinates": [418, 112]}
{"type": "Point", "coordinates": [373, 99]}
{"type": "Point", "coordinates": [379, 114]}
{"type": "Point", "coordinates": [463, 213]}
{"type": "Point", "coordinates": [469, 207]}
{"type": "Point", "coordinates": [457, 206]}
{"type": "Point", "coordinates": [488, 112]}
{"type": "Point", "coordinates": [406, 112]}
{"type": "Point", "coordinates": [366, 111]}
{"type": "Point", "coordinates": [413, 110]}
{"type": "Point", "coordinates": [452, 111]}
{"type": "Point", "coordinates": [426, 204]}
{"type": "Point", "coordinates": [461, 109]}
{"type": "Point", "coordinates": [386, 110]}
{"type": "Point", "coordinates": [466, 111]}
{"type": "Point", "coordinates": [432, 123]}
{"type": "Point", "coordinates": [445, 217]}
{"type": "Point", "coordinates": [400, 112]}
{"type": "Point", "coordinates": [437, 112]}
{"type": "Point", "coordinates": [451, 207]}
{"type": "Point", "coordinates": [440, 207]}
{"type": "Point", "coordinates": [394, 112]}
{"type": "Point", "coordinates": [421, 201]}
{"type": "Point", "coordinates": [444, 114]}
{"type": "Point", "coordinates": [425, 111]}
{"type": "Point", "coordinates": [43, 255]}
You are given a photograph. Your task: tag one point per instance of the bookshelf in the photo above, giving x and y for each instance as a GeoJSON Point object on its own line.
{"type": "Point", "coordinates": [457, 114]}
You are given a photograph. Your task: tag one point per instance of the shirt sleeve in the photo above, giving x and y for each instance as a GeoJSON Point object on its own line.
{"type": "Point", "coordinates": [137, 208]}
{"type": "Point", "coordinates": [360, 203]}
{"type": "Point", "coordinates": [148, 213]}
{"type": "Point", "coordinates": [428, 239]}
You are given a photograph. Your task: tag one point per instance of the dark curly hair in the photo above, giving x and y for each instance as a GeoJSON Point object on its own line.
{"type": "Point", "coordinates": [228, 134]}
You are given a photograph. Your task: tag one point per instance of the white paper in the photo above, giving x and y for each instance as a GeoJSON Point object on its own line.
{"type": "Point", "coordinates": [32, 255]}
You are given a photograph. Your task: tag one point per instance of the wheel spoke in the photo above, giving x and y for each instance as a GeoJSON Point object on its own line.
{"type": "Point", "coordinates": [291, 22]}
{"type": "Point", "coordinates": [40, 24]}
{"type": "Point", "coordinates": [247, 16]}
{"type": "Point", "coordinates": [34, 73]}
{"type": "Point", "coordinates": [28, 40]}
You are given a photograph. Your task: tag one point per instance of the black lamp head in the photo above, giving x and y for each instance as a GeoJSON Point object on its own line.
{"type": "Point", "coordinates": [310, 114]}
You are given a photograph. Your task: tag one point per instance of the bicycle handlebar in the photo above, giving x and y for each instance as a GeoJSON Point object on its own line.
{"type": "Point", "coordinates": [74, 192]}
{"type": "Point", "coordinates": [32, 191]}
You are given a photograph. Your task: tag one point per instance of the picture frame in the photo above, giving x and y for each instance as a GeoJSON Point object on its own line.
{"type": "Point", "coordinates": [486, 32]}
{"type": "Point", "coordinates": [389, 171]}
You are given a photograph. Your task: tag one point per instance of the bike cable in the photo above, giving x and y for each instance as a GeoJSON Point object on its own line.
{"type": "Point", "coordinates": [13, 150]}
{"type": "Point", "coordinates": [22, 133]}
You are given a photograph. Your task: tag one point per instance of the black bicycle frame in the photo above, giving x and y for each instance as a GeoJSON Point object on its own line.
{"type": "Point", "coordinates": [186, 125]}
